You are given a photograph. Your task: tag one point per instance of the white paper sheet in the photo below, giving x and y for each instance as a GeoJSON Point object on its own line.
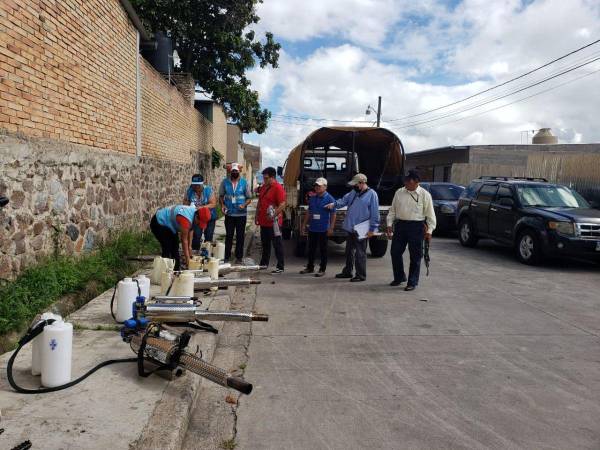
{"type": "Point", "coordinates": [362, 229]}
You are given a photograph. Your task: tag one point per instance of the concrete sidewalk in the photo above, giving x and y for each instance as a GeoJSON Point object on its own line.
{"type": "Point", "coordinates": [113, 408]}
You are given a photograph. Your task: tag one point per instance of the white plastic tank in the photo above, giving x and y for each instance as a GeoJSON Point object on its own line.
{"type": "Point", "coordinates": [56, 350]}
{"type": "Point", "coordinates": [165, 282]}
{"type": "Point", "coordinates": [144, 283]}
{"type": "Point", "coordinates": [213, 268]}
{"type": "Point", "coordinates": [127, 292]}
{"type": "Point", "coordinates": [183, 285]}
{"type": "Point", "coordinates": [220, 251]}
{"type": "Point", "coordinates": [159, 265]}
{"type": "Point", "coordinates": [36, 349]}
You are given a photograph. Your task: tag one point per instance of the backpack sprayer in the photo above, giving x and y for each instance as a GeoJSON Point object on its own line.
{"type": "Point", "coordinates": [148, 330]}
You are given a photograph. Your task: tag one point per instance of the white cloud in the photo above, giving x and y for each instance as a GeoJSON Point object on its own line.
{"type": "Point", "coordinates": [486, 42]}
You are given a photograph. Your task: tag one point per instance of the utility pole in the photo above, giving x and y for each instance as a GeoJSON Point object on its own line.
{"type": "Point", "coordinates": [378, 111]}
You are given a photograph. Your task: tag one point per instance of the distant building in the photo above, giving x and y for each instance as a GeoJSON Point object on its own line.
{"type": "Point", "coordinates": [235, 151]}
{"type": "Point", "coordinates": [252, 161]}
{"type": "Point", "coordinates": [441, 164]}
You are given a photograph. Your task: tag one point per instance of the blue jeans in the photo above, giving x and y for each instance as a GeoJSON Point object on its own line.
{"type": "Point", "coordinates": [411, 233]}
{"type": "Point", "coordinates": [208, 234]}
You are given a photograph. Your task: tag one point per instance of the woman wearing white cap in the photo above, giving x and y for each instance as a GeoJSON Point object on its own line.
{"type": "Point", "coordinates": [235, 196]}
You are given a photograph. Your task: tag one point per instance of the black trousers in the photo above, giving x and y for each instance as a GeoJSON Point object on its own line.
{"type": "Point", "coordinates": [317, 239]}
{"type": "Point", "coordinates": [237, 225]}
{"type": "Point", "coordinates": [268, 238]}
{"type": "Point", "coordinates": [169, 242]}
{"type": "Point", "coordinates": [356, 256]}
{"type": "Point", "coordinates": [411, 233]}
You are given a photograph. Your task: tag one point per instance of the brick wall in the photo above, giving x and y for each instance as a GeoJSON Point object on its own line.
{"type": "Point", "coordinates": [171, 127]}
{"type": "Point", "coordinates": [219, 130]}
{"type": "Point", "coordinates": [68, 88]}
{"type": "Point", "coordinates": [68, 71]}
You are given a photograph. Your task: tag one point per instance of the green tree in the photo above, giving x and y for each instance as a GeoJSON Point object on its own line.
{"type": "Point", "coordinates": [215, 44]}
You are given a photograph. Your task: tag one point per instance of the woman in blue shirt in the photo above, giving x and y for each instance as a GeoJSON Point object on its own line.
{"type": "Point", "coordinates": [199, 194]}
{"type": "Point", "coordinates": [320, 222]}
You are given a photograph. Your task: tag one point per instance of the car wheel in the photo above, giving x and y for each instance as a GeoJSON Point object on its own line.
{"type": "Point", "coordinates": [528, 248]}
{"type": "Point", "coordinates": [466, 233]}
{"type": "Point", "coordinates": [378, 247]}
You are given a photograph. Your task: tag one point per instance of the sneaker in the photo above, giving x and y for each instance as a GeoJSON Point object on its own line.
{"type": "Point", "coordinates": [344, 275]}
{"type": "Point", "coordinates": [307, 270]}
{"type": "Point", "coordinates": [410, 287]}
{"type": "Point", "coordinates": [320, 273]}
{"type": "Point", "coordinates": [397, 282]}
{"type": "Point", "coordinates": [277, 270]}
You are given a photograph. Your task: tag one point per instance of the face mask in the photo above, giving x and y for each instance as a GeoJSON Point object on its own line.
{"type": "Point", "coordinates": [235, 175]}
{"type": "Point", "coordinates": [357, 188]}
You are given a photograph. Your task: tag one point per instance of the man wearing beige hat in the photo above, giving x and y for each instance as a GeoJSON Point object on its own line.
{"type": "Point", "coordinates": [318, 222]}
{"type": "Point", "coordinates": [362, 214]}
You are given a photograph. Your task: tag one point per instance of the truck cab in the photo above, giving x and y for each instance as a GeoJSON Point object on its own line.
{"type": "Point", "coordinates": [337, 154]}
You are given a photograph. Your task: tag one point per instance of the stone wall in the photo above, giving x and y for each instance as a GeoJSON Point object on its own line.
{"type": "Point", "coordinates": [70, 196]}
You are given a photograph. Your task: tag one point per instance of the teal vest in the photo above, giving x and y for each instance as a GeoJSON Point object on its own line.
{"type": "Point", "coordinates": [233, 199]}
{"type": "Point", "coordinates": [167, 217]}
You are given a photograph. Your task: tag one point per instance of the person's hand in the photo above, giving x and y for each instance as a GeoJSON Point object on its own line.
{"type": "Point", "coordinates": [428, 236]}
{"type": "Point", "coordinates": [330, 232]}
{"type": "Point", "coordinates": [370, 234]}
{"type": "Point", "coordinates": [389, 232]}
{"type": "Point", "coordinates": [242, 206]}
{"type": "Point", "coordinates": [329, 206]}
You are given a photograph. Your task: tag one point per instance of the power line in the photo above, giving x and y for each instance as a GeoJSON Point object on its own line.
{"type": "Point", "coordinates": [412, 124]}
{"type": "Point", "coordinates": [505, 105]}
{"type": "Point", "coordinates": [317, 119]}
{"type": "Point", "coordinates": [498, 85]}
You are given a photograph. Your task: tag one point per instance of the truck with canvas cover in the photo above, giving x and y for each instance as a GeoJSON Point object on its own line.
{"type": "Point", "coordinates": [337, 154]}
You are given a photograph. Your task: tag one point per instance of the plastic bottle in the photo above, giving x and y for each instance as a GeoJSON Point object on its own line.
{"type": "Point", "coordinates": [165, 282]}
{"type": "Point", "coordinates": [220, 251]}
{"type": "Point", "coordinates": [213, 268]}
{"type": "Point", "coordinates": [183, 285]}
{"type": "Point", "coordinates": [127, 291]}
{"type": "Point", "coordinates": [144, 283]}
{"type": "Point", "coordinates": [36, 349]}
{"type": "Point", "coordinates": [56, 350]}
{"type": "Point", "coordinates": [159, 265]}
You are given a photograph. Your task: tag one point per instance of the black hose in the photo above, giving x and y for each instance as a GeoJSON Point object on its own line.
{"type": "Point", "coordinates": [29, 336]}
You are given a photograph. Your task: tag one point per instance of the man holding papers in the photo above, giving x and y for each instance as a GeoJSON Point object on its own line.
{"type": "Point", "coordinates": [411, 219]}
{"type": "Point", "coordinates": [361, 222]}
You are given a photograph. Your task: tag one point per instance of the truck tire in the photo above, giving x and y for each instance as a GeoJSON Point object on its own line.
{"type": "Point", "coordinates": [528, 248]}
{"type": "Point", "coordinates": [466, 233]}
{"type": "Point", "coordinates": [378, 247]}
{"type": "Point", "coordinates": [300, 248]}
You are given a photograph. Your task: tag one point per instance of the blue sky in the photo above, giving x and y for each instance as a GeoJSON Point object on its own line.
{"type": "Point", "coordinates": [339, 55]}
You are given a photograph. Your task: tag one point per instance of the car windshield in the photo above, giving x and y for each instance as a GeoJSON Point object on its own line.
{"type": "Point", "coordinates": [445, 191]}
{"type": "Point", "coordinates": [551, 196]}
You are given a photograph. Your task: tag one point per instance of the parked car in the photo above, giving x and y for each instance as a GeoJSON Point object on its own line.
{"type": "Point", "coordinates": [445, 200]}
{"type": "Point", "coordinates": [538, 219]}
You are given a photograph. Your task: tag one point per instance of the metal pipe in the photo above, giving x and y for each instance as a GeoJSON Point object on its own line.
{"type": "Point", "coordinates": [163, 350]}
{"type": "Point", "coordinates": [231, 316]}
{"type": "Point", "coordinates": [224, 282]}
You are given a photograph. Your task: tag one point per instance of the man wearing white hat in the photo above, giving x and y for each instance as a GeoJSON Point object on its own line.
{"type": "Point", "coordinates": [363, 212]}
{"type": "Point", "coordinates": [319, 221]}
{"type": "Point", "coordinates": [235, 196]}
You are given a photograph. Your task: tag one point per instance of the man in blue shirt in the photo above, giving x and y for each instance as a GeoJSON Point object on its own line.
{"type": "Point", "coordinates": [362, 215]}
{"type": "Point", "coordinates": [320, 222]}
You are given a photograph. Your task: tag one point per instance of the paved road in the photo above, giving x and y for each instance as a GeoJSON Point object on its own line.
{"type": "Point", "coordinates": [486, 353]}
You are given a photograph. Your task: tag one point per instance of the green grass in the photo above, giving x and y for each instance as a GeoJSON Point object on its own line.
{"type": "Point", "coordinates": [40, 286]}
{"type": "Point", "coordinates": [229, 444]}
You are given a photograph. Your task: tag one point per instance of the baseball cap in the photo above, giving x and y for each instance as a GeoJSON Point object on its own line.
{"type": "Point", "coordinates": [203, 216]}
{"type": "Point", "coordinates": [197, 180]}
{"type": "Point", "coordinates": [235, 166]}
{"type": "Point", "coordinates": [321, 181]}
{"type": "Point", "coordinates": [358, 178]}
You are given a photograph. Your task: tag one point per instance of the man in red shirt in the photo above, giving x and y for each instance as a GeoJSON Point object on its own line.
{"type": "Point", "coordinates": [271, 193]}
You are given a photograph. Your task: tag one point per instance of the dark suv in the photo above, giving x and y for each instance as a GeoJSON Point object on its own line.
{"type": "Point", "coordinates": [533, 216]}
